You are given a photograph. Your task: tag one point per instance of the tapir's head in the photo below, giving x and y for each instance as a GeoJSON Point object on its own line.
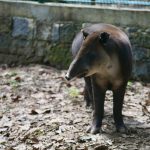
{"type": "Point", "coordinates": [90, 55]}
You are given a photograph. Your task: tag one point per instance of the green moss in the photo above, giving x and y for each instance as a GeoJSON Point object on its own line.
{"type": "Point", "coordinates": [59, 55]}
{"type": "Point", "coordinates": [140, 38]}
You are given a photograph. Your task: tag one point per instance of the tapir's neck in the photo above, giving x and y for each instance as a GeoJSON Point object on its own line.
{"type": "Point", "coordinates": [110, 68]}
{"type": "Point", "coordinates": [109, 73]}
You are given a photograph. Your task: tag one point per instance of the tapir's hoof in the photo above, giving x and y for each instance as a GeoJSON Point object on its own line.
{"type": "Point", "coordinates": [123, 129]}
{"type": "Point", "coordinates": [94, 130]}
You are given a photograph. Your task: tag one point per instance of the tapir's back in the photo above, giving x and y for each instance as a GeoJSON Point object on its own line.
{"type": "Point", "coordinates": [120, 42]}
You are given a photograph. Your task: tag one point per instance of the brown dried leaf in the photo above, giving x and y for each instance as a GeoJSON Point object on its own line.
{"type": "Point", "coordinates": [25, 127]}
{"type": "Point", "coordinates": [46, 111]}
{"type": "Point", "coordinates": [16, 98]}
{"type": "Point", "coordinates": [145, 110]}
{"type": "Point", "coordinates": [147, 102]}
{"type": "Point", "coordinates": [81, 148]}
{"type": "Point", "coordinates": [34, 112]}
{"type": "Point", "coordinates": [18, 79]}
{"type": "Point", "coordinates": [34, 140]}
{"type": "Point", "coordinates": [10, 148]}
{"type": "Point", "coordinates": [101, 147]}
{"type": "Point", "coordinates": [21, 146]}
{"type": "Point", "coordinates": [84, 139]}
{"type": "Point", "coordinates": [1, 114]}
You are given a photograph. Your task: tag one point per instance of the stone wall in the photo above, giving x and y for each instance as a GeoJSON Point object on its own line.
{"type": "Point", "coordinates": [26, 40]}
{"type": "Point", "coordinates": [42, 33]}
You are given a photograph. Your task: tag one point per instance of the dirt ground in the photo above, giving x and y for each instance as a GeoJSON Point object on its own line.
{"type": "Point", "coordinates": [39, 110]}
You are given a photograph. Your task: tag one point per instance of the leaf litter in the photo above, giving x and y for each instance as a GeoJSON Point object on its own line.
{"type": "Point", "coordinates": [40, 110]}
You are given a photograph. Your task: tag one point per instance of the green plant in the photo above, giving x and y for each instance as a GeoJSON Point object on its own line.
{"type": "Point", "coordinates": [14, 83]}
{"type": "Point", "coordinates": [129, 83]}
{"type": "Point", "coordinates": [73, 91]}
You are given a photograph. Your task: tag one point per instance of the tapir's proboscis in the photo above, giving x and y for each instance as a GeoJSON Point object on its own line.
{"type": "Point", "coordinates": [102, 55]}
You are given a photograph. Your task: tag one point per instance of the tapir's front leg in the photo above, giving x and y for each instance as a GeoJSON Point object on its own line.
{"type": "Point", "coordinates": [88, 92]}
{"type": "Point", "coordinates": [98, 103]}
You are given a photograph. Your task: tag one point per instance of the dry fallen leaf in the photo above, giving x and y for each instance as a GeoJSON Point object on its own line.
{"type": "Point", "coordinates": [16, 98]}
{"type": "Point", "coordinates": [25, 127]}
{"type": "Point", "coordinates": [34, 112]}
{"type": "Point", "coordinates": [18, 79]}
{"type": "Point", "coordinates": [81, 148]}
{"type": "Point", "coordinates": [101, 147]}
{"type": "Point", "coordinates": [46, 111]}
{"type": "Point", "coordinates": [1, 114]}
{"type": "Point", "coordinates": [147, 102]}
{"type": "Point", "coordinates": [145, 110]}
{"type": "Point", "coordinates": [84, 139]}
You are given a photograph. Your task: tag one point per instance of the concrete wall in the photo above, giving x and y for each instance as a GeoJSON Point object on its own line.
{"type": "Point", "coordinates": [42, 33]}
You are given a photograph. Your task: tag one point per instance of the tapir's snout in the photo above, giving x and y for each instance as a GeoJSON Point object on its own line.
{"type": "Point", "coordinates": [67, 77]}
{"type": "Point", "coordinates": [76, 69]}
{"type": "Point", "coordinates": [71, 73]}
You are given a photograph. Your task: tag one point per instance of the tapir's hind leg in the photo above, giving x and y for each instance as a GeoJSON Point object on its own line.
{"type": "Point", "coordinates": [88, 91]}
{"type": "Point", "coordinates": [118, 97]}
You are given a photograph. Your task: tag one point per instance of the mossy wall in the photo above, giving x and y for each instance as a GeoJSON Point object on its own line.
{"type": "Point", "coordinates": [42, 33]}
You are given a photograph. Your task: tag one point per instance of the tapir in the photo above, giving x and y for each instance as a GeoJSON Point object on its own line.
{"type": "Point", "coordinates": [102, 55]}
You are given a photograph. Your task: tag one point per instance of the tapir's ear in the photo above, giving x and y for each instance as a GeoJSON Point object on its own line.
{"type": "Point", "coordinates": [85, 34]}
{"type": "Point", "coordinates": [104, 36]}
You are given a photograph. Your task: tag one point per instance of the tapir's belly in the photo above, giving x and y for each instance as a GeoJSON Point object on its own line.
{"type": "Point", "coordinates": [109, 84]}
